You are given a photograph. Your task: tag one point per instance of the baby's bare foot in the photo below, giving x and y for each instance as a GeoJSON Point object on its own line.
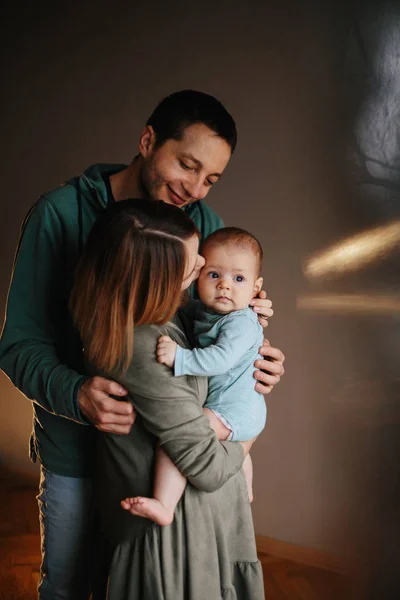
{"type": "Point", "coordinates": [149, 508]}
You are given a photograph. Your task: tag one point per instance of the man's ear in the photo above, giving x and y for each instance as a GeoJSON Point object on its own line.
{"type": "Point", "coordinates": [147, 141]}
{"type": "Point", "coordinates": [257, 286]}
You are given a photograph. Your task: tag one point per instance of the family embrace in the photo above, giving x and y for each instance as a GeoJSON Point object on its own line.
{"type": "Point", "coordinates": [135, 325]}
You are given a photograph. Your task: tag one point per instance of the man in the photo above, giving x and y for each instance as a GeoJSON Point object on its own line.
{"type": "Point", "coordinates": [183, 151]}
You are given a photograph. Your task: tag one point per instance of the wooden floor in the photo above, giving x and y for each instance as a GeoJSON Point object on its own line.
{"type": "Point", "coordinates": [20, 556]}
{"type": "Point", "coordinates": [19, 538]}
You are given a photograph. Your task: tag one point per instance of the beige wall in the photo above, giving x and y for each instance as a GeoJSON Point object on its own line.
{"type": "Point", "coordinates": [80, 87]}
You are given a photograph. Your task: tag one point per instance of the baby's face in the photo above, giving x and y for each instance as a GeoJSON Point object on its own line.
{"type": "Point", "coordinates": [228, 280]}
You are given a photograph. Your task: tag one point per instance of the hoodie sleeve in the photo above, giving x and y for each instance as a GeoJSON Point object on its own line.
{"type": "Point", "coordinates": [35, 304]}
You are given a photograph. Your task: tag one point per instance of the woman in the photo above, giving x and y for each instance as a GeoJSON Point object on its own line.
{"type": "Point", "coordinates": [139, 258]}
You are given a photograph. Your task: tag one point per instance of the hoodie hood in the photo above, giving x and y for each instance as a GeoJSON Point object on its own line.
{"type": "Point", "coordinates": [92, 185]}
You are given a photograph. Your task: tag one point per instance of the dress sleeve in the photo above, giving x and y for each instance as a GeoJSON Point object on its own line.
{"type": "Point", "coordinates": [172, 411]}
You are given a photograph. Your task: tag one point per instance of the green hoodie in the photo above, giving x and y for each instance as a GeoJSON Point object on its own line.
{"type": "Point", "coordinates": [39, 350]}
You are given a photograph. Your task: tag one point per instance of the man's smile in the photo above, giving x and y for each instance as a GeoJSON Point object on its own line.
{"type": "Point", "coordinates": [176, 198]}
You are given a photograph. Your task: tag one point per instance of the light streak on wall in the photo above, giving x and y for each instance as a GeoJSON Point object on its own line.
{"type": "Point", "coordinates": [355, 252]}
{"type": "Point", "coordinates": [370, 303]}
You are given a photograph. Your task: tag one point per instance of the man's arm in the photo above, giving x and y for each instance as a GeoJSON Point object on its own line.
{"type": "Point", "coordinates": [28, 343]}
{"type": "Point", "coordinates": [34, 308]}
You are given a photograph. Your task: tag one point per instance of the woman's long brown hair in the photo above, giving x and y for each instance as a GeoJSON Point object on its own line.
{"type": "Point", "coordinates": [130, 273]}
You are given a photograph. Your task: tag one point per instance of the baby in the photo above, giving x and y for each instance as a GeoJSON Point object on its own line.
{"type": "Point", "coordinates": [228, 335]}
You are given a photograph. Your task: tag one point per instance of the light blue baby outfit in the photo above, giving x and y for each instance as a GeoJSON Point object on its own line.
{"type": "Point", "coordinates": [228, 347]}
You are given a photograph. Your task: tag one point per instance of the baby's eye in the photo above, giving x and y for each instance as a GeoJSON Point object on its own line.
{"type": "Point", "coordinates": [239, 278]}
{"type": "Point", "coordinates": [213, 275]}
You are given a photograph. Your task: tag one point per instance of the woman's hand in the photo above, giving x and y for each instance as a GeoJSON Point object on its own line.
{"type": "Point", "coordinates": [262, 306]}
{"type": "Point", "coordinates": [270, 369]}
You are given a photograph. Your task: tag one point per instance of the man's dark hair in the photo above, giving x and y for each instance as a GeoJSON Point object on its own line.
{"type": "Point", "coordinates": [188, 107]}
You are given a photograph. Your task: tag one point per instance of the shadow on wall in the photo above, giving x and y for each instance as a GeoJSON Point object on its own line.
{"type": "Point", "coordinates": [362, 427]}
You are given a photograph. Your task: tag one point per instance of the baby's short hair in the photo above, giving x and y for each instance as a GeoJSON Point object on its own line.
{"type": "Point", "coordinates": [237, 237]}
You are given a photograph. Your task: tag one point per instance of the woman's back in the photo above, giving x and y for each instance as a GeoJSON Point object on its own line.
{"type": "Point", "coordinates": [208, 551]}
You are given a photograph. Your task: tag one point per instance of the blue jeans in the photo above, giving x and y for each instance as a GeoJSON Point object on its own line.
{"type": "Point", "coordinates": [66, 530]}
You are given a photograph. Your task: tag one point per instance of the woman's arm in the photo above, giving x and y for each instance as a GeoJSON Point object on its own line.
{"type": "Point", "coordinates": [171, 410]}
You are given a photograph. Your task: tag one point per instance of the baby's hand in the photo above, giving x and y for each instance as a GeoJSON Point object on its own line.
{"type": "Point", "coordinates": [166, 350]}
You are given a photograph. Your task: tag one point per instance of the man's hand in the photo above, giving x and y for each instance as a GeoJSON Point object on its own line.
{"type": "Point", "coordinates": [104, 412]}
{"type": "Point", "coordinates": [262, 307]}
{"type": "Point", "coordinates": [273, 365]}
{"type": "Point", "coordinates": [166, 350]}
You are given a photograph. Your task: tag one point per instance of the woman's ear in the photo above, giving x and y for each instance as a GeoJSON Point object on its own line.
{"type": "Point", "coordinates": [147, 141]}
{"type": "Point", "coordinates": [257, 286]}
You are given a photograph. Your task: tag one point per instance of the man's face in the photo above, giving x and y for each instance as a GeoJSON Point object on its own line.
{"type": "Point", "coordinates": [183, 171]}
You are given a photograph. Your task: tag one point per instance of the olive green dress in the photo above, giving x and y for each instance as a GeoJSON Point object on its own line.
{"type": "Point", "coordinates": [208, 552]}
